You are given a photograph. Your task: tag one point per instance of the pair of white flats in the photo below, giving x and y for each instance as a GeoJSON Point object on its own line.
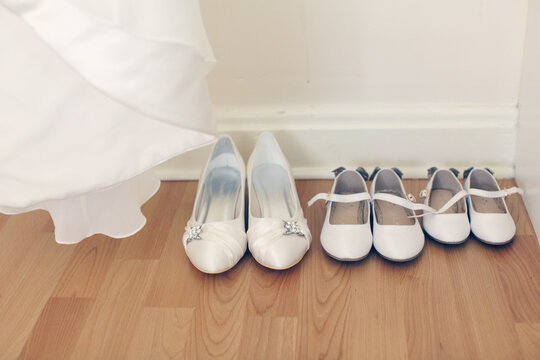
{"type": "Point", "coordinates": [278, 236]}
{"type": "Point", "coordinates": [347, 232]}
{"type": "Point", "coordinates": [452, 211]}
{"type": "Point", "coordinates": [397, 235]}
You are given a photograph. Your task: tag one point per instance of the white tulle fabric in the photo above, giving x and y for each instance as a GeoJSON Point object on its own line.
{"type": "Point", "coordinates": [93, 95]}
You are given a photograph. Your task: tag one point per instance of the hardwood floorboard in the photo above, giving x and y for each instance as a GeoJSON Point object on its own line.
{"type": "Point", "coordinates": [87, 268]}
{"type": "Point", "coordinates": [18, 240]}
{"type": "Point", "coordinates": [432, 330]}
{"type": "Point", "coordinates": [115, 313]}
{"type": "Point", "coordinates": [159, 212]}
{"type": "Point", "coordinates": [49, 226]}
{"type": "Point", "coordinates": [325, 328]}
{"type": "Point", "coordinates": [269, 338]}
{"type": "Point", "coordinates": [3, 219]}
{"type": "Point", "coordinates": [272, 293]}
{"type": "Point", "coordinates": [378, 309]}
{"type": "Point", "coordinates": [163, 333]}
{"type": "Point", "coordinates": [58, 328]}
{"type": "Point", "coordinates": [177, 283]}
{"type": "Point", "coordinates": [31, 264]}
{"type": "Point", "coordinates": [220, 315]}
{"type": "Point", "coordinates": [140, 297]}
{"type": "Point", "coordinates": [482, 303]}
{"type": "Point", "coordinates": [325, 298]}
{"type": "Point", "coordinates": [518, 270]}
{"type": "Point", "coordinates": [529, 338]}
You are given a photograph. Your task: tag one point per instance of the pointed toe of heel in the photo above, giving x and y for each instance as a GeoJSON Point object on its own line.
{"type": "Point", "coordinates": [208, 257]}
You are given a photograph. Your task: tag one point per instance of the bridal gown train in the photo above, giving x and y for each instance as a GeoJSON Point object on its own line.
{"type": "Point", "coordinates": [93, 94]}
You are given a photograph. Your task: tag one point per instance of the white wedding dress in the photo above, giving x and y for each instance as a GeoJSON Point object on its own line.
{"type": "Point", "coordinates": [93, 94]}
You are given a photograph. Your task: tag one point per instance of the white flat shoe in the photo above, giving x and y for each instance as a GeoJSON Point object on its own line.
{"type": "Point", "coordinates": [278, 234]}
{"type": "Point", "coordinates": [346, 233]}
{"type": "Point", "coordinates": [215, 238]}
{"type": "Point", "coordinates": [397, 234]}
{"type": "Point", "coordinates": [491, 221]}
{"type": "Point", "coordinates": [448, 223]}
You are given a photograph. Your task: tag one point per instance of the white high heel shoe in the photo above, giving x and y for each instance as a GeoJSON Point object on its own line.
{"type": "Point", "coordinates": [397, 234]}
{"type": "Point", "coordinates": [491, 221]}
{"type": "Point", "coordinates": [278, 234]}
{"type": "Point", "coordinates": [346, 233]}
{"type": "Point", "coordinates": [448, 223]}
{"type": "Point", "coordinates": [215, 238]}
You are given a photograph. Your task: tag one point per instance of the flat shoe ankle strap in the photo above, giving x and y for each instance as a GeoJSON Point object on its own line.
{"type": "Point", "coordinates": [398, 200]}
{"type": "Point", "coordinates": [496, 194]}
{"type": "Point", "coordinates": [349, 198]}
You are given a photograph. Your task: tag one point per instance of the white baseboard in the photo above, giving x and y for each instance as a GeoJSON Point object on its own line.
{"type": "Point", "coordinates": [411, 138]}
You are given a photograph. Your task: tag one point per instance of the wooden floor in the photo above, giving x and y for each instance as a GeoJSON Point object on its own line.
{"type": "Point", "coordinates": [139, 297]}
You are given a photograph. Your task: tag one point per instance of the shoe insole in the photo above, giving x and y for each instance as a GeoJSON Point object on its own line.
{"type": "Point", "coordinates": [273, 191]}
{"type": "Point", "coordinates": [487, 205]}
{"type": "Point", "coordinates": [348, 213]}
{"type": "Point", "coordinates": [220, 195]}
{"type": "Point", "coordinates": [439, 197]}
{"type": "Point", "coordinates": [387, 213]}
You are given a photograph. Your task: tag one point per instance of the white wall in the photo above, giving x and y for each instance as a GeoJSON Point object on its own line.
{"type": "Point", "coordinates": [528, 154]}
{"type": "Point", "coordinates": [298, 53]}
{"type": "Point", "coordinates": [438, 78]}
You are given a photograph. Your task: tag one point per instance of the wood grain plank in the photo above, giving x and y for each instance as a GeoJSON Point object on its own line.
{"type": "Point", "coordinates": [379, 306]}
{"type": "Point", "coordinates": [481, 299]}
{"type": "Point", "coordinates": [19, 237]}
{"type": "Point", "coordinates": [58, 328]}
{"type": "Point", "coordinates": [433, 327]}
{"type": "Point", "coordinates": [49, 227]}
{"type": "Point", "coordinates": [396, 309]}
{"type": "Point", "coordinates": [325, 290]}
{"type": "Point", "coordinates": [142, 298]}
{"type": "Point", "coordinates": [159, 211]}
{"type": "Point", "coordinates": [29, 270]}
{"type": "Point", "coordinates": [3, 219]}
{"type": "Point", "coordinates": [517, 266]}
{"type": "Point", "coordinates": [273, 293]}
{"type": "Point", "coordinates": [325, 312]}
{"type": "Point", "coordinates": [529, 338]}
{"type": "Point", "coordinates": [179, 282]}
{"type": "Point", "coordinates": [114, 316]}
{"type": "Point", "coordinates": [219, 316]}
{"type": "Point", "coordinates": [163, 333]}
{"type": "Point", "coordinates": [269, 338]}
{"type": "Point", "coordinates": [87, 267]}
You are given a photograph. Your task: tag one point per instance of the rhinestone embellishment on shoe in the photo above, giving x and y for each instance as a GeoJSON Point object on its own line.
{"type": "Point", "coordinates": [292, 228]}
{"type": "Point", "coordinates": [194, 233]}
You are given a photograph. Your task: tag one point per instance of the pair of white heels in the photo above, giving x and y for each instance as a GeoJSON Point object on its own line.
{"type": "Point", "coordinates": [278, 236]}
{"type": "Point", "coordinates": [397, 235]}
